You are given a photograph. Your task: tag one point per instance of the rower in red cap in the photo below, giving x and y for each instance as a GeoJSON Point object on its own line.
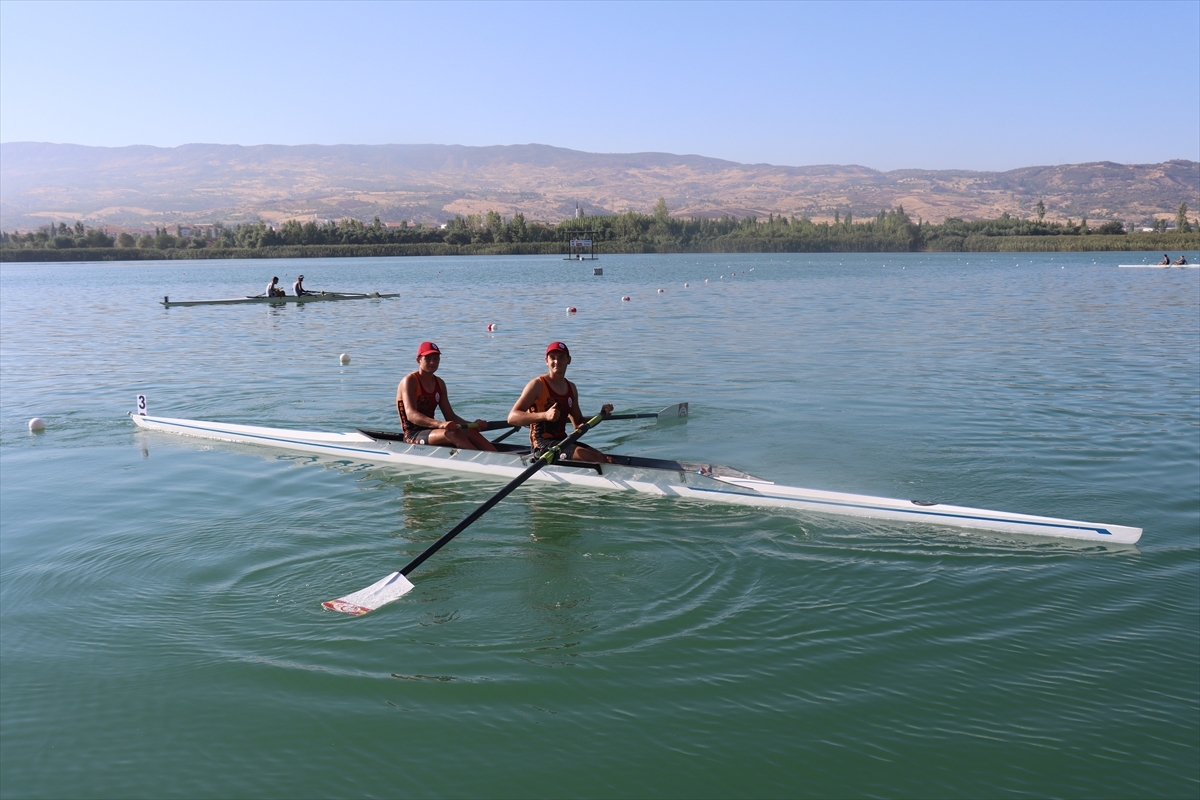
{"type": "Point", "coordinates": [548, 402]}
{"type": "Point", "coordinates": [420, 394]}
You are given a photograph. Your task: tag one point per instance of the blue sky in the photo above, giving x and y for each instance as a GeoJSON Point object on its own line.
{"type": "Point", "coordinates": [886, 85]}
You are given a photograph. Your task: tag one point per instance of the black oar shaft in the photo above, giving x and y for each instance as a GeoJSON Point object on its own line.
{"type": "Point", "coordinates": [503, 423]}
{"type": "Point", "coordinates": [541, 461]}
{"type": "Point", "coordinates": [509, 433]}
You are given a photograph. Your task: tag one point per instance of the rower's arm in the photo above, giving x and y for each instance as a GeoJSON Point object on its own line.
{"type": "Point", "coordinates": [447, 411]}
{"type": "Point", "coordinates": [518, 415]}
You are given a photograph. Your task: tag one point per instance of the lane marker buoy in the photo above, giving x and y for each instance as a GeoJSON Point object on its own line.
{"type": "Point", "coordinates": [344, 358]}
{"type": "Point", "coordinates": [625, 299]}
{"type": "Point", "coordinates": [570, 309]}
{"type": "Point", "coordinates": [37, 424]}
{"type": "Point", "coordinates": [491, 326]}
{"type": "Point", "coordinates": [685, 286]}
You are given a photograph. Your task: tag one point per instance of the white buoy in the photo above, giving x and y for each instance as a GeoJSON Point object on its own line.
{"type": "Point", "coordinates": [344, 358]}
{"type": "Point", "coordinates": [37, 424]}
{"type": "Point", "coordinates": [685, 285]}
{"type": "Point", "coordinates": [491, 327]}
{"type": "Point", "coordinates": [625, 299]}
{"type": "Point", "coordinates": [571, 309]}
{"type": "Point", "coordinates": [660, 291]}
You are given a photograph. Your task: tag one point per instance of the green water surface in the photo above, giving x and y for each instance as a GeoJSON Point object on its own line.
{"type": "Point", "coordinates": [161, 633]}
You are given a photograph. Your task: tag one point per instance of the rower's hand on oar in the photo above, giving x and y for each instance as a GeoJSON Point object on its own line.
{"type": "Point", "coordinates": [481, 425]}
{"type": "Point", "coordinates": [451, 425]}
{"type": "Point", "coordinates": [606, 409]}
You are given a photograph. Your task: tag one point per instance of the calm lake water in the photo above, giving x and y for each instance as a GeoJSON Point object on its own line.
{"type": "Point", "coordinates": [162, 634]}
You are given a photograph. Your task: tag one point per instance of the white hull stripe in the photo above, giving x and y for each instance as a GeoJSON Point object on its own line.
{"type": "Point", "coordinates": [301, 442]}
{"type": "Point", "coordinates": [914, 511]}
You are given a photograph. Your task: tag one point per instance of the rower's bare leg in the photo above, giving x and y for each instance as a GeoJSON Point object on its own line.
{"type": "Point", "coordinates": [585, 453]}
{"type": "Point", "coordinates": [462, 439]}
{"type": "Point", "coordinates": [479, 441]}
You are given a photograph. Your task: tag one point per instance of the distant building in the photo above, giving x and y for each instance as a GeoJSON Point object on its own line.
{"type": "Point", "coordinates": [188, 231]}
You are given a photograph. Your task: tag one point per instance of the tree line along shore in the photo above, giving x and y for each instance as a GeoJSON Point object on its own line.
{"type": "Point", "coordinates": [891, 231]}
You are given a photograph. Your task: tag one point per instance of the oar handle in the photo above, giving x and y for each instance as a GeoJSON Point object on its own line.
{"type": "Point", "coordinates": [539, 461]}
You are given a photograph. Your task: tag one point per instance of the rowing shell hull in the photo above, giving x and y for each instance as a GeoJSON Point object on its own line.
{"type": "Point", "coordinates": [695, 481]}
{"type": "Point", "coordinates": [304, 298]}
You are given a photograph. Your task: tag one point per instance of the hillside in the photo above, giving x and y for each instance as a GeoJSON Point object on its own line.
{"type": "Point", "coordinates": [142, 186]}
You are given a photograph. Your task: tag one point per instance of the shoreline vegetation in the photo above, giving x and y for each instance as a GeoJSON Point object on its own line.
{"type": "Point", "coordinates": [890, 231]}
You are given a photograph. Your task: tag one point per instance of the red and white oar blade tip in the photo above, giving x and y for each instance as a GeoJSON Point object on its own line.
{"type": "Point", "coordinates": [378, 594]}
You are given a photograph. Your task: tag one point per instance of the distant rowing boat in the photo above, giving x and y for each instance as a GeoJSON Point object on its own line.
{"type": "Point", "coordinates": [691, 480]}
{"type": "Point", "coordinates": [1158, 266]}
{"type": "Point", "coordinates": [316, 297]}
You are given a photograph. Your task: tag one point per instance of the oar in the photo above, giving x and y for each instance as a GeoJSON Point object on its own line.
{"type": "Point", "coordinates": [674, 413]}
{"type": "Point", "coordinates": [669, 414]}
{"type": "Point", "coordinates": [397, 584]}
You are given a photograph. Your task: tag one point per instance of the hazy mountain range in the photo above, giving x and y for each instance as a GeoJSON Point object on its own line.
{"type": "Point", "coordinates": [142, 186]}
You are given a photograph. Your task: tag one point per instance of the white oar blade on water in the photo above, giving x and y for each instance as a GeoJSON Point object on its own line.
{"type": "Point", "coordinates": [675, 413]}
{"type": "Point", "coordinates": [378, 594]}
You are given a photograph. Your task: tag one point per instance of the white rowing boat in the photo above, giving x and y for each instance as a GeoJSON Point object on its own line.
{"type": "Point", "coordinates": [316, 297]}
{"type": "Point", "coordinates": [683, 479]}
{"type": "Point", "coordinates": [1158, 266]}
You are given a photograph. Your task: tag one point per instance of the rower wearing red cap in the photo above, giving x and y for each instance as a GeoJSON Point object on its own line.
{"type": "Point", "coordinates": [548, 402]}
{"type": "Point", "coordinates": [420, 394]}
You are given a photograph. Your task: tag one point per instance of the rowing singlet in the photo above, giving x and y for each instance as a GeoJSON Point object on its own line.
{"type": "Point", "coordinates": [540, 432]}
{"type": "Point", "coordinates": [427, 403]}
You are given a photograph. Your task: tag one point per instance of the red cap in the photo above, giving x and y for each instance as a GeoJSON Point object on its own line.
{"type": "Point", "coordinates": [557, 347]}
{"type": "Point", "coordinates": [426, 348]}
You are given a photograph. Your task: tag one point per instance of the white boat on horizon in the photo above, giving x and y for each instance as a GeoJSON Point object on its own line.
{"type": "Point", "coordinates": [314, 297]}
{"type": "Point", "coordinates": [713, 483]}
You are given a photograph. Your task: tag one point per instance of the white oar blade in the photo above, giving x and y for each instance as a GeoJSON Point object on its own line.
{"type": "Point", "coordinates": [675, 413]}
{"type": "Point", "coordinates": [378, 594]}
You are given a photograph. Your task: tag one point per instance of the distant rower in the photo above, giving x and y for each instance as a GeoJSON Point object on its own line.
{"type": "Point", "coordinates": [273, 289]}
{"type": "Point", "coordinates": [1166, 262]}
{"type": "Point", "coordinates": [298, 287]}
{"type": "Point", "coordinates": [1181, 262]}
